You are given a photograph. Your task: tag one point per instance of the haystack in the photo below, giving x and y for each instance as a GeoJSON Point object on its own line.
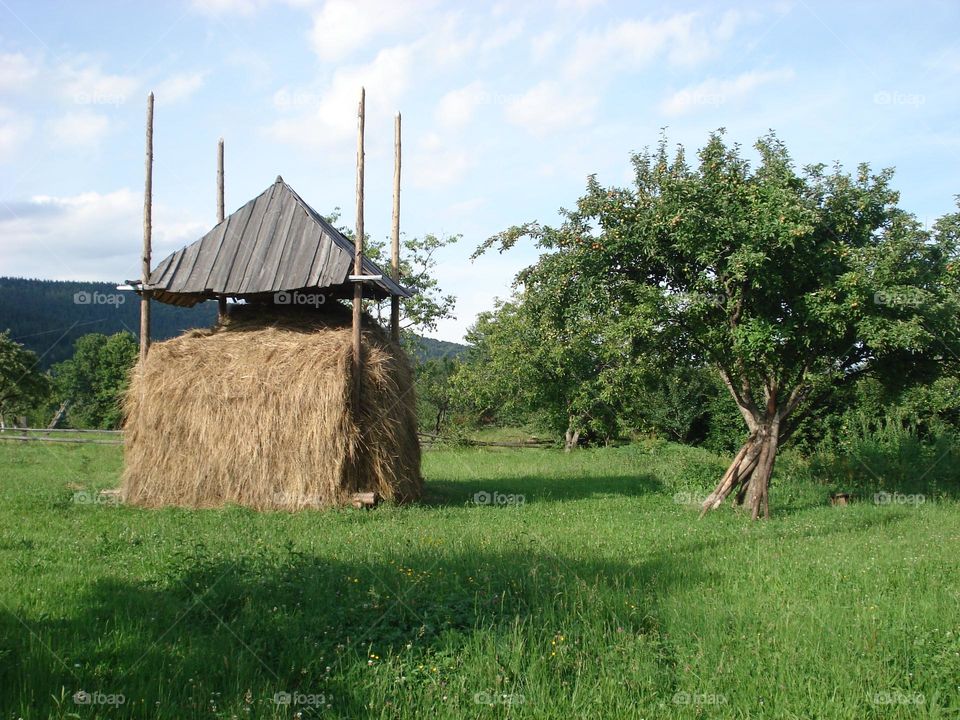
{"type": "Point", "coordinates": [258, 412]}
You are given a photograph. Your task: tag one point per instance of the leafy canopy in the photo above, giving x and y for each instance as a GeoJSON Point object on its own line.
{"type": "Point", "coordinates": [22, 386]}
{"type": "Point", "coordinates": [788, 282]}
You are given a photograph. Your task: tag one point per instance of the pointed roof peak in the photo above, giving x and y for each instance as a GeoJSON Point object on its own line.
{"type": "Point", "coordinates": [266, 246]}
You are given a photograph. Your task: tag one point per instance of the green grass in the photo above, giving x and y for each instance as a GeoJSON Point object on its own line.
{"type": "Point", "coordinates": [599, 596]}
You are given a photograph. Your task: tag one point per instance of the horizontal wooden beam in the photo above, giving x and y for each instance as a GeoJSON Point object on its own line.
{"type": "Point", "coordinates": [366, 499]}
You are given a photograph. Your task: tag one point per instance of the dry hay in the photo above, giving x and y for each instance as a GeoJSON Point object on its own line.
{"type": "Point", "coordinates": [258, 412]}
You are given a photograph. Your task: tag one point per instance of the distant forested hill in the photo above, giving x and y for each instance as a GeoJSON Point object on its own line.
{"type": "Point", "coordinates": [435, 349]}
{"type": "Point", "coordinates": [47, 316]}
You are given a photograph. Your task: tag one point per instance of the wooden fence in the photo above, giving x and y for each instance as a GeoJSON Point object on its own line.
{"type": "Point", "coordinates": [62, 435]}
{"type": "Point", "coordinates": [115, 437]}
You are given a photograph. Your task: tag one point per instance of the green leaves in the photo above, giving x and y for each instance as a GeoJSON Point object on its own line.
{"type": "Point", "coordinates": [785, 278]}
{"type": "Point", "coordinates": [94, 379]}
{"type": "Point", "coordinates": [429, 303]}
{"type": "Point", "coordinates": [22, 385]}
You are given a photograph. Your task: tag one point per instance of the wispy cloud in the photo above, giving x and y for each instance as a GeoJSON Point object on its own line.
{"type": "Point", "coordinates": [15, 130]}
{"type": "Point", "coordinates": [341, 27]}
{"type": "Point", "coordinates": [550, 106]}
{"type": "Point", "coordinates": [714, 92]}
{"type": "Point", "coordinates": [79, 129]}
{"type": "Point", "coordinates": [439, 162]}
{"type": "Point", "coordinates": [84, 82]}
{"type": "Point", "coordinates": [77, 236]}
{"type": "Point", "coordinates": [178, 88]}
{"type": "Point", "coordinates": [458, 107]}
{"type": "Point", "coordinates": [328, 117]}
{"type": "Point", "coordinates": [682, 39]}
{"type": "Point", "coordinates": [16, 71]}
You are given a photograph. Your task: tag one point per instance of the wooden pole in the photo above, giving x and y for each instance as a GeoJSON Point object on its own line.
{"type": "Point", "coordinates": [358, 258]}
{"type": "Point", "coordinates": [147, 236]}
{"type": "Point", "coordinates": [395, 255]}
{"type": "Point", "coordinates": [221, 214]}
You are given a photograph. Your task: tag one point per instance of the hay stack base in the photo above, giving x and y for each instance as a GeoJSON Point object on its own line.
{"type": "Point", "coordinates": [258, 413]}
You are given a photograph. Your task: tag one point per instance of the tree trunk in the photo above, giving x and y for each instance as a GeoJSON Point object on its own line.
{"type": "Point", "coordinates": [441, 412]}
{"type": "Point", "coordinates": [571, 439]}
{"type": "Point", "coordinates": [749, 474]}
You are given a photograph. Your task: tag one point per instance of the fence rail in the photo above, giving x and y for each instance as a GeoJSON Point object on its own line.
{"type": "Point", "coordinates": [83, 441]}
{"type": "Point", "coordinates": [56, 435]}
{"type": "Point", "coordinates": [60, 430]}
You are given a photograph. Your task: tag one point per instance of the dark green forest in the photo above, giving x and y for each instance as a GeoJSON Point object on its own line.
{"type": "Point", "coordinates": [48, 316]}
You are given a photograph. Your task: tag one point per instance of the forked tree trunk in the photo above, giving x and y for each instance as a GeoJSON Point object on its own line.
{"type": "Point", "coordinates": [748, 477]}
{"type": "Point", "coordinates": [571, 439]}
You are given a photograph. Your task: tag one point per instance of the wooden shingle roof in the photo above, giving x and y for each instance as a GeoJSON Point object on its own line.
{"type": "Point", "coordinates": [274, 243]}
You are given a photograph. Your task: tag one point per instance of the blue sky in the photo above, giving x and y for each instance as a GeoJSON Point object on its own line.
{"type": "Point", "coordinates": [507, 107]}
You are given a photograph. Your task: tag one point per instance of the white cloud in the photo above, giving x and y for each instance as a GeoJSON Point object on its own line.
{"type": "Point", "coordinates": [714, 92]}
{"type": "Point", "coordinates": [88, 236]}
{"type": "Point", "coordinates": [543, 44]}
{"type": "Point", "coordinates": [550, 106]}
{"type": "Point", "coordinates": [334, 118]}
{"type": "Point", "coordinates": [87, 84]}
{"type": "Point", "coordinates": [240, 7]}
{"type": "Point", "coordinates": [15, 130]}
{"type": "Point", "coordinates": [79, 129]}
{"type": "Point", "coordinates": [16, 71]}
{"type": "Point", "coordinates": [450, 41]}
{"type": "Point", "coordinates": [342, 26]}
{"type": "Point", "coordinates": [177, 88]}
{"type": "Point", "coordinates": [439, 163]}
{"type": "Point", "coordinates": [227, 7]}
{"type": "Point", "coordinates": [458, 107]}
{"type": "Point", "coordinates": [631, 45]}
{"type": "Point", "coordinates": [579, 5]}
{"type": "Point", "coordinates": [502, 35]}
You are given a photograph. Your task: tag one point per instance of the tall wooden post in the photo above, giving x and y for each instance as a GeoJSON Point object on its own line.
{"type": "Point", "coordinates": [358, 258]}
{"type": "Point", "coordinates": [395, 255]}
{"type": "Point", "coordinates": [147, 236]}
{"type": "Point", "coordinates": [221, 214]}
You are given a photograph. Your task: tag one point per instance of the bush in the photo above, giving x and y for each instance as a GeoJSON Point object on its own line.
{"type": "Point", "coordinates": [889, 454]}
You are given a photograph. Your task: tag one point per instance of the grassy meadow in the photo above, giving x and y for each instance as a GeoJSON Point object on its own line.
{"type": "Point", "coordinates": [529, 584]}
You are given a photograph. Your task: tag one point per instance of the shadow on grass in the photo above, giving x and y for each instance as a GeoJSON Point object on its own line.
{"type": "Point", "coordinates": [220, 633]}
{"type": "Point", "coordinates": [536, 488]}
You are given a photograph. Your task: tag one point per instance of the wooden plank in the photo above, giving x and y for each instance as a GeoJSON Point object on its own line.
{"type": "Point", "coordinates": [86, 441]}
{"type": "Point", "coordinates": [298, 245]}
{"type": "Point", "coordinates": [178, 283]}
{"type": "Point", "coordinates": [266, 236]}
{"type": "Point", "coordinates": [247, 241]}
{"type": "Point", "coordinates": [209, 246]}
{"type": "Point", "coordinates": [68, 430]}
{"type": "Point", "coordinates": [160, 269]}
{"type": "Point", "coordinates": [320, 261]}
{"type": "Point", "coordinates": [297, 273]}
{"type": "Point", "coordinates": [340, 269]}
{"type": "Point", "coordinates": [223, 264]}
{"type": "Point", "coordinates": [175, 259]}
{"type": "Point", "coordinates": [219, 234]}
{"type": "Point", "coordinates": [264, 271]}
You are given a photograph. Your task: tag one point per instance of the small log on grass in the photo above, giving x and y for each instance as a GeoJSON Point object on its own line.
{"type": "Point", "coordinates": [365, 500]}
